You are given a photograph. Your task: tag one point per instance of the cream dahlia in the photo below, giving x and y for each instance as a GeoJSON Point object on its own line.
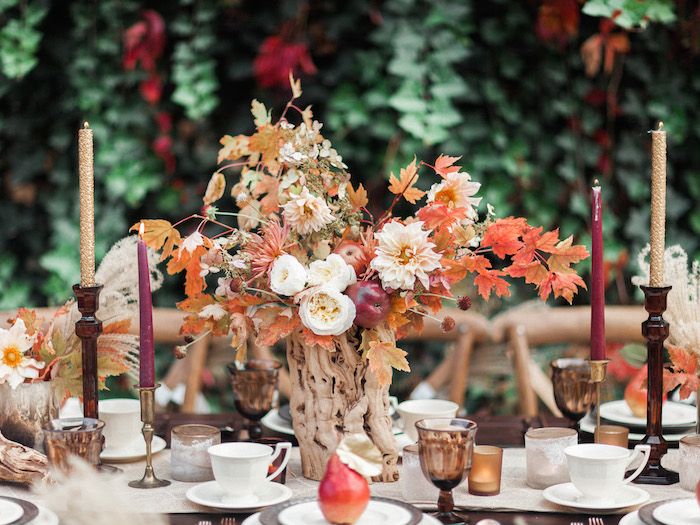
{"type": "Point", "coordinates": [326, 311]}
{"type": "Point", "coordinates": [333, 271]}
{"type": "Point", "coordinates": [306, 213]}
{"type": "Point", "coordinates": [15, 367]}
{"type": "Point", "coordinates": [404, 253]}
{"type": "Point", "coordinates": [287, 276]}
{"type": "Point", "coordinates": [457, 190]}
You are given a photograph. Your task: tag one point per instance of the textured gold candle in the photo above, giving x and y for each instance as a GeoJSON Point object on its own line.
{"type": "Point", "coordinates": [87, 207]}
{"type": "Point", "coordinates": [658, 206]}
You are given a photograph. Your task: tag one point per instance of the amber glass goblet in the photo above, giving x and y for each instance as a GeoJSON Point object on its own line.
{"type": "Point", "coordinates": [574, 391]}
{"type": "Point", "coordinates": [445, 448]}
{"type": "Point", "coordinates": [254, 386]}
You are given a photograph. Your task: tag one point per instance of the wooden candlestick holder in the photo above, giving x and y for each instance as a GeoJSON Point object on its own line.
{"type": "Point", "coordinates": [88, 329]}
{"type": "Point", "coordinates": [655, 330]}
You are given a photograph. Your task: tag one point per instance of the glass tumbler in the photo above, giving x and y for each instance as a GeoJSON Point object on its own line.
{"type": "Point", "coordinates": [544, 455]}
{"type": "Point", "coordinates": [689, 468]}
{"type": "Point", "coordinates": [189, 460]}
{"type": "Point", "coordinates": [75, 436]}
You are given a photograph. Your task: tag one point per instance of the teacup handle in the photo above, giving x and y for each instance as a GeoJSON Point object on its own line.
{"type": "Point", "coordinates": [645, 450]}
{"type": "Point", "coordinates": [278, 450]}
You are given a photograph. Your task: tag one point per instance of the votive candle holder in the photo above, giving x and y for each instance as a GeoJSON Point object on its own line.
{"type": "Point", "coordinates": [689, 467]}
{"type": "Point", "coordinates": [485, 476]}
{"type": "Point", "coordinates": [189, 459]}
{"type": "Point", "coordinates": [612, 435]}
{"type": "Point", "coordinates": [544, 455]}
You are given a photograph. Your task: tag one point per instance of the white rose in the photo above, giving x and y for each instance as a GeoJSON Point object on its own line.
{"type": "Point", "coordinates": [326, 311]}
{"type": "Point", "coordinates": [334, 272]}
{"type": "Point", "coordinates": [288, 275]}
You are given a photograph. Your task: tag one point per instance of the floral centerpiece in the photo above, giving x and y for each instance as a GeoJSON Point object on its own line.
{"type": "Point", "coordinates": [41, 358]}
{"type": "Point", "coordinates": [308, 262]}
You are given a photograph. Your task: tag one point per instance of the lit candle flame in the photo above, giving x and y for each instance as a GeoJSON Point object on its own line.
{"type": "Point", "coordinates": [141, 230]}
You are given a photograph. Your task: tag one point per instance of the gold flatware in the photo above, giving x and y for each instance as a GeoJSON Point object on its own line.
{"type": "Point", "coordinates": [228, 521]}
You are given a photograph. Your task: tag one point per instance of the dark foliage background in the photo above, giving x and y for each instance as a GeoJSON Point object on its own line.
{"type": "Point", "coordinates": [504, 83]}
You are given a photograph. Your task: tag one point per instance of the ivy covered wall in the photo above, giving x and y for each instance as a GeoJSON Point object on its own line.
{"type": "Point", "coordinates": [540, 97]}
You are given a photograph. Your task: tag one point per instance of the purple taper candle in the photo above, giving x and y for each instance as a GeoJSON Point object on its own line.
{"type": "Point", "coordinates": [147, 374]}
{"type": "Point", "coordinates": [597, 276]}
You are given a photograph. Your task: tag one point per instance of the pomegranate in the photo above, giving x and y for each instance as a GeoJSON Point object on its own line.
{"type": "Point", "coordinates": [353, 254]}
{"type": "Point", "coordinates": [372, 303]}
{"type": "Point", "coordinates": [343, 494]}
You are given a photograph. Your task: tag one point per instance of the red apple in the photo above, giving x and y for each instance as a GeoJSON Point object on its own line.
{"type": "Point", "coordinates": [353, 253]}
{"type": "Point", "coordinates": [372, 303]}
{"type": "Point", "coordinates": [343, 494]}
{"type": "Point", "coordinates": [636, 393]}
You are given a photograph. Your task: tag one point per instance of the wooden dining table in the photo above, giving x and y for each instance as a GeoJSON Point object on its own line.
{"type": "Point", "coordinates": [502, 431]}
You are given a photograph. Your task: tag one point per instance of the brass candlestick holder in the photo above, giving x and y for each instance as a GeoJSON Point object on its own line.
{"type": "Point", "coordinates": [149, 479]}
{"type": "Point", "coordinates": [599, 370]}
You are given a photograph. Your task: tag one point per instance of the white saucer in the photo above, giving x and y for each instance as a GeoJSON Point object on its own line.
{"type": "Point", "coordinates": [309, 513]}
{"type": "Point", "coordinates": [674, 414]}
{"type": "Point", "coordinates": [45, 517]}
{"type": "Point", "coordinates": [277, 423]}
{"type": "Point", "coordinates": [678, 512]}
{"type": "Point", "coordinates": [135, 452]}
{"type": "Point", "coordinates": [587, 424]}
{"type": "Point", "coordinates": [210, 494]}
{"type": "Point", "coordinates": [567, 495]}
{"type": "Point", "coordinates": [631, 519]}
{"type": "Point", "coordinates": [427, 520]}
{"type": "Point", "coordinates": [9, 512]}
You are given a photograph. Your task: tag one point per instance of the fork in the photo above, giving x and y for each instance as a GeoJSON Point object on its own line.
{"type": "Point", "coordinates": [204, 522]}
{"type": "Point", "coordinates": [232, 521]}
{"type": "Point", "coordinates": [576, 523]}
{"type": "Point", "coordinates": [596, 521]}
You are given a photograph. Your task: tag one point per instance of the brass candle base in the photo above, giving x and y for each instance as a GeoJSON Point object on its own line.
{"type": "Point", "coordinates": [599, 370]}
{"type": "Point", "coordinates": [149, 479]}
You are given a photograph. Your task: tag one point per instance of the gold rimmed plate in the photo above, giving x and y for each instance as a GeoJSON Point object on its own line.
{"type": "Point", "coordinates": [307, 512]}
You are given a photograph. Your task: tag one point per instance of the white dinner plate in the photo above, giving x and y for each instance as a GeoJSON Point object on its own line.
{"type": "Point", "coordinates": [674, 414]}
{"type": "Point", "coordinates": [567, 495]}
{"type": "Point", "coordinates": [45, 517]}
{"type": "Point", "coordinates": [9, 512]}
{"type": "Point", "coordinates": [631, 519]}
{"type": "Point", "coordinates": [587, 424]}
{"type": "Point", "coordinates": [678, 512]}
{"type": "Point", "coordinates": [277, 423]}
{"type": "Point", "coordinates": [134, 453]}
{"type": "Point", "coordinates": [427, 520]}
{"type": "Point", "coordinates": [210, 494]}
{"type": "Point", "coordinates": [377, 512]}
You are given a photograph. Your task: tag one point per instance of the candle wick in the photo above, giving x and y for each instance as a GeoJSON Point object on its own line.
{"type": "Point", "coordinates": [596, 182]}
{"type": "Point", "coordinates": [661, 125]}
{"type": "Point", "coordinates": [86, 125]}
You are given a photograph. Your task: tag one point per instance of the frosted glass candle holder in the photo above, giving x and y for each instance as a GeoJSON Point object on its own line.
{"type": "Point", "coordinates": [689, 467]}
{"type": "Point", "coordinates": [544, 455]}
{"type": "Point", "coordinates": [414, 486]}
{"type": "Point", "coordinates": [189, 460]}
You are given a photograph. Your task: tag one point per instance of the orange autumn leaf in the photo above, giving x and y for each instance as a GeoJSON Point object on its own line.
{"type": "Point", "coordinates": [603, 48]}
{"type": "Point", "coordinates": [534, 240]}
{"type": "Point", "coordinates": [561, 284]}
{"type": "Point", "coordinates": [453, 271]}
{"type": "Point", "coordinates": [683, 373]}
{"type": "Point", "coordinates": [194, 282]}
{"type": "Point", "coordinates": [195, 304]}
{"type": "Point", "coordinates": [682, 359]}
{"type": "Point", "coordinates": [438, 215]}
{"type": "Point", "coordinates": [275, 323]}
{"type": "Point", "coordinates": [491, 280]}
{"type": "Point", "coordinates": [30, 320]}
{"type": "Point", "coordinates": [233, 148]}
{"type": "Point", "coordinates": [413, 327]}
{"type": "Point", "coordinates": [327, 342]}
{"type": "Point", "coordinates": [444, 165]}
{"type": "Point", "coordinates": [503, 236]}
{"type": "Point", "coordinates": [534, 272]}
{"type": "Point", "coordinates": [267, 142]}
{"type": "Point", "coordinates": [564, 254]}
{"type": "Point", "coordinates": [475, 263]}
{"type": "Point", "coordinates": [182, 258]}
{"type": "Point", "coordinates": [158, 234]}
{"type": "Point", "coordinates": [396, 318]}
{"type": "Point", "coordinates": [117, 327]}
{"type": "Point", "coordinates": [358, 199]}
{"type": "Point", "coordinates": [382, 358]}
{"type": "Point", "coordinates": [408, 176]}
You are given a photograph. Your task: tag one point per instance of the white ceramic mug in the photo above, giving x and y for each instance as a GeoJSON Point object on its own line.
{"type": "Point", "coordinates": [417, 409]}
{"type": "Point", "coordinates": [598, 471]}
{"type": "Point", "coordinates": [122, 418]}
{"type": "Point", "coordinates": [240, 468]}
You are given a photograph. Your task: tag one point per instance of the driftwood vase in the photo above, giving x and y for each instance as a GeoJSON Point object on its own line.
{"type": "Point", "coordinates": [26, 410]}
{"type": "Point", "coordinates": [333, 395]}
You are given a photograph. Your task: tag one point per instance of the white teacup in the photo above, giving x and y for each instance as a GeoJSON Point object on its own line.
{"type": "Point", "coordinates": [241, 468]}
{"type": "Point", "coordinates": [417, 409]}
{"type": "Point", "coordinates": [122, 418]}
{"type": "Point", "coordinates": [598, 471]}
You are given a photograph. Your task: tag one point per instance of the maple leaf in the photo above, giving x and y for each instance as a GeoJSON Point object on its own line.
{"type": "Point", "coordinates": [564, 254]}
{"type": "Point", "coordinates": [408, 176]}
{"type": "Point", "coordinates": [534, 272]}
{"type": "Point", "coordinates": [233, 148]}
{"type": "Point", "coordinates": [475, 263]}
{"type": "Point", "coordinates": [382, 357]}
{"type": "Point", "coordinates": [453, 271]}
{"type": "Point", "coordinates": [358, 199]}
{"type": "Point", "coordinates": [682, 359]}
{"type": "Point", "coordinates": [276, 323]}
{"type": "Point", "coordinates": [215, 188]}
{"type": "Point", "coordinates": [158, 234]}
{"type": "Point", "coordinates": [444, 165]}
{"type": "Point", "coordinates": [261, 115]}
{"type": "Point", "coordinates": [267, 142]}
{"type": "Point", "coordinates": [533, 240]}
{"type": "Point", "coordinates": [326, 342]}
{"type": "Point", "coordinates": [437, 215]}
{"type": "Point", "coordinates": [399, 306]}
{"type": "Point", "coordinates": [491, 280]}
{"type": "Point", "coordinates": [561, 284]}
{"type": "Point", "coordinates": [503, 236]}
{"type": "Point", "coordinates": [117, 327]}
{"type": "Point", "coordinates": [30, 320]}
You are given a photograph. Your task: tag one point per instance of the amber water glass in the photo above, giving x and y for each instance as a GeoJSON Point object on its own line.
{"type": "Point", "coordinates": [445, 448]}
{"type": "Point", "coordinates": [254, 388]}
{"type": "Point", "coordinates": [66, 437]}
{"type": "Point", "coordinates": [574, 391]}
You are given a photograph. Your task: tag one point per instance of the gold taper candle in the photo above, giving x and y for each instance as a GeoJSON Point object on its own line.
{"type": "Point", "coordinates": [658, 206]}
{"type": "Point", "coordinates": [87, 206]}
